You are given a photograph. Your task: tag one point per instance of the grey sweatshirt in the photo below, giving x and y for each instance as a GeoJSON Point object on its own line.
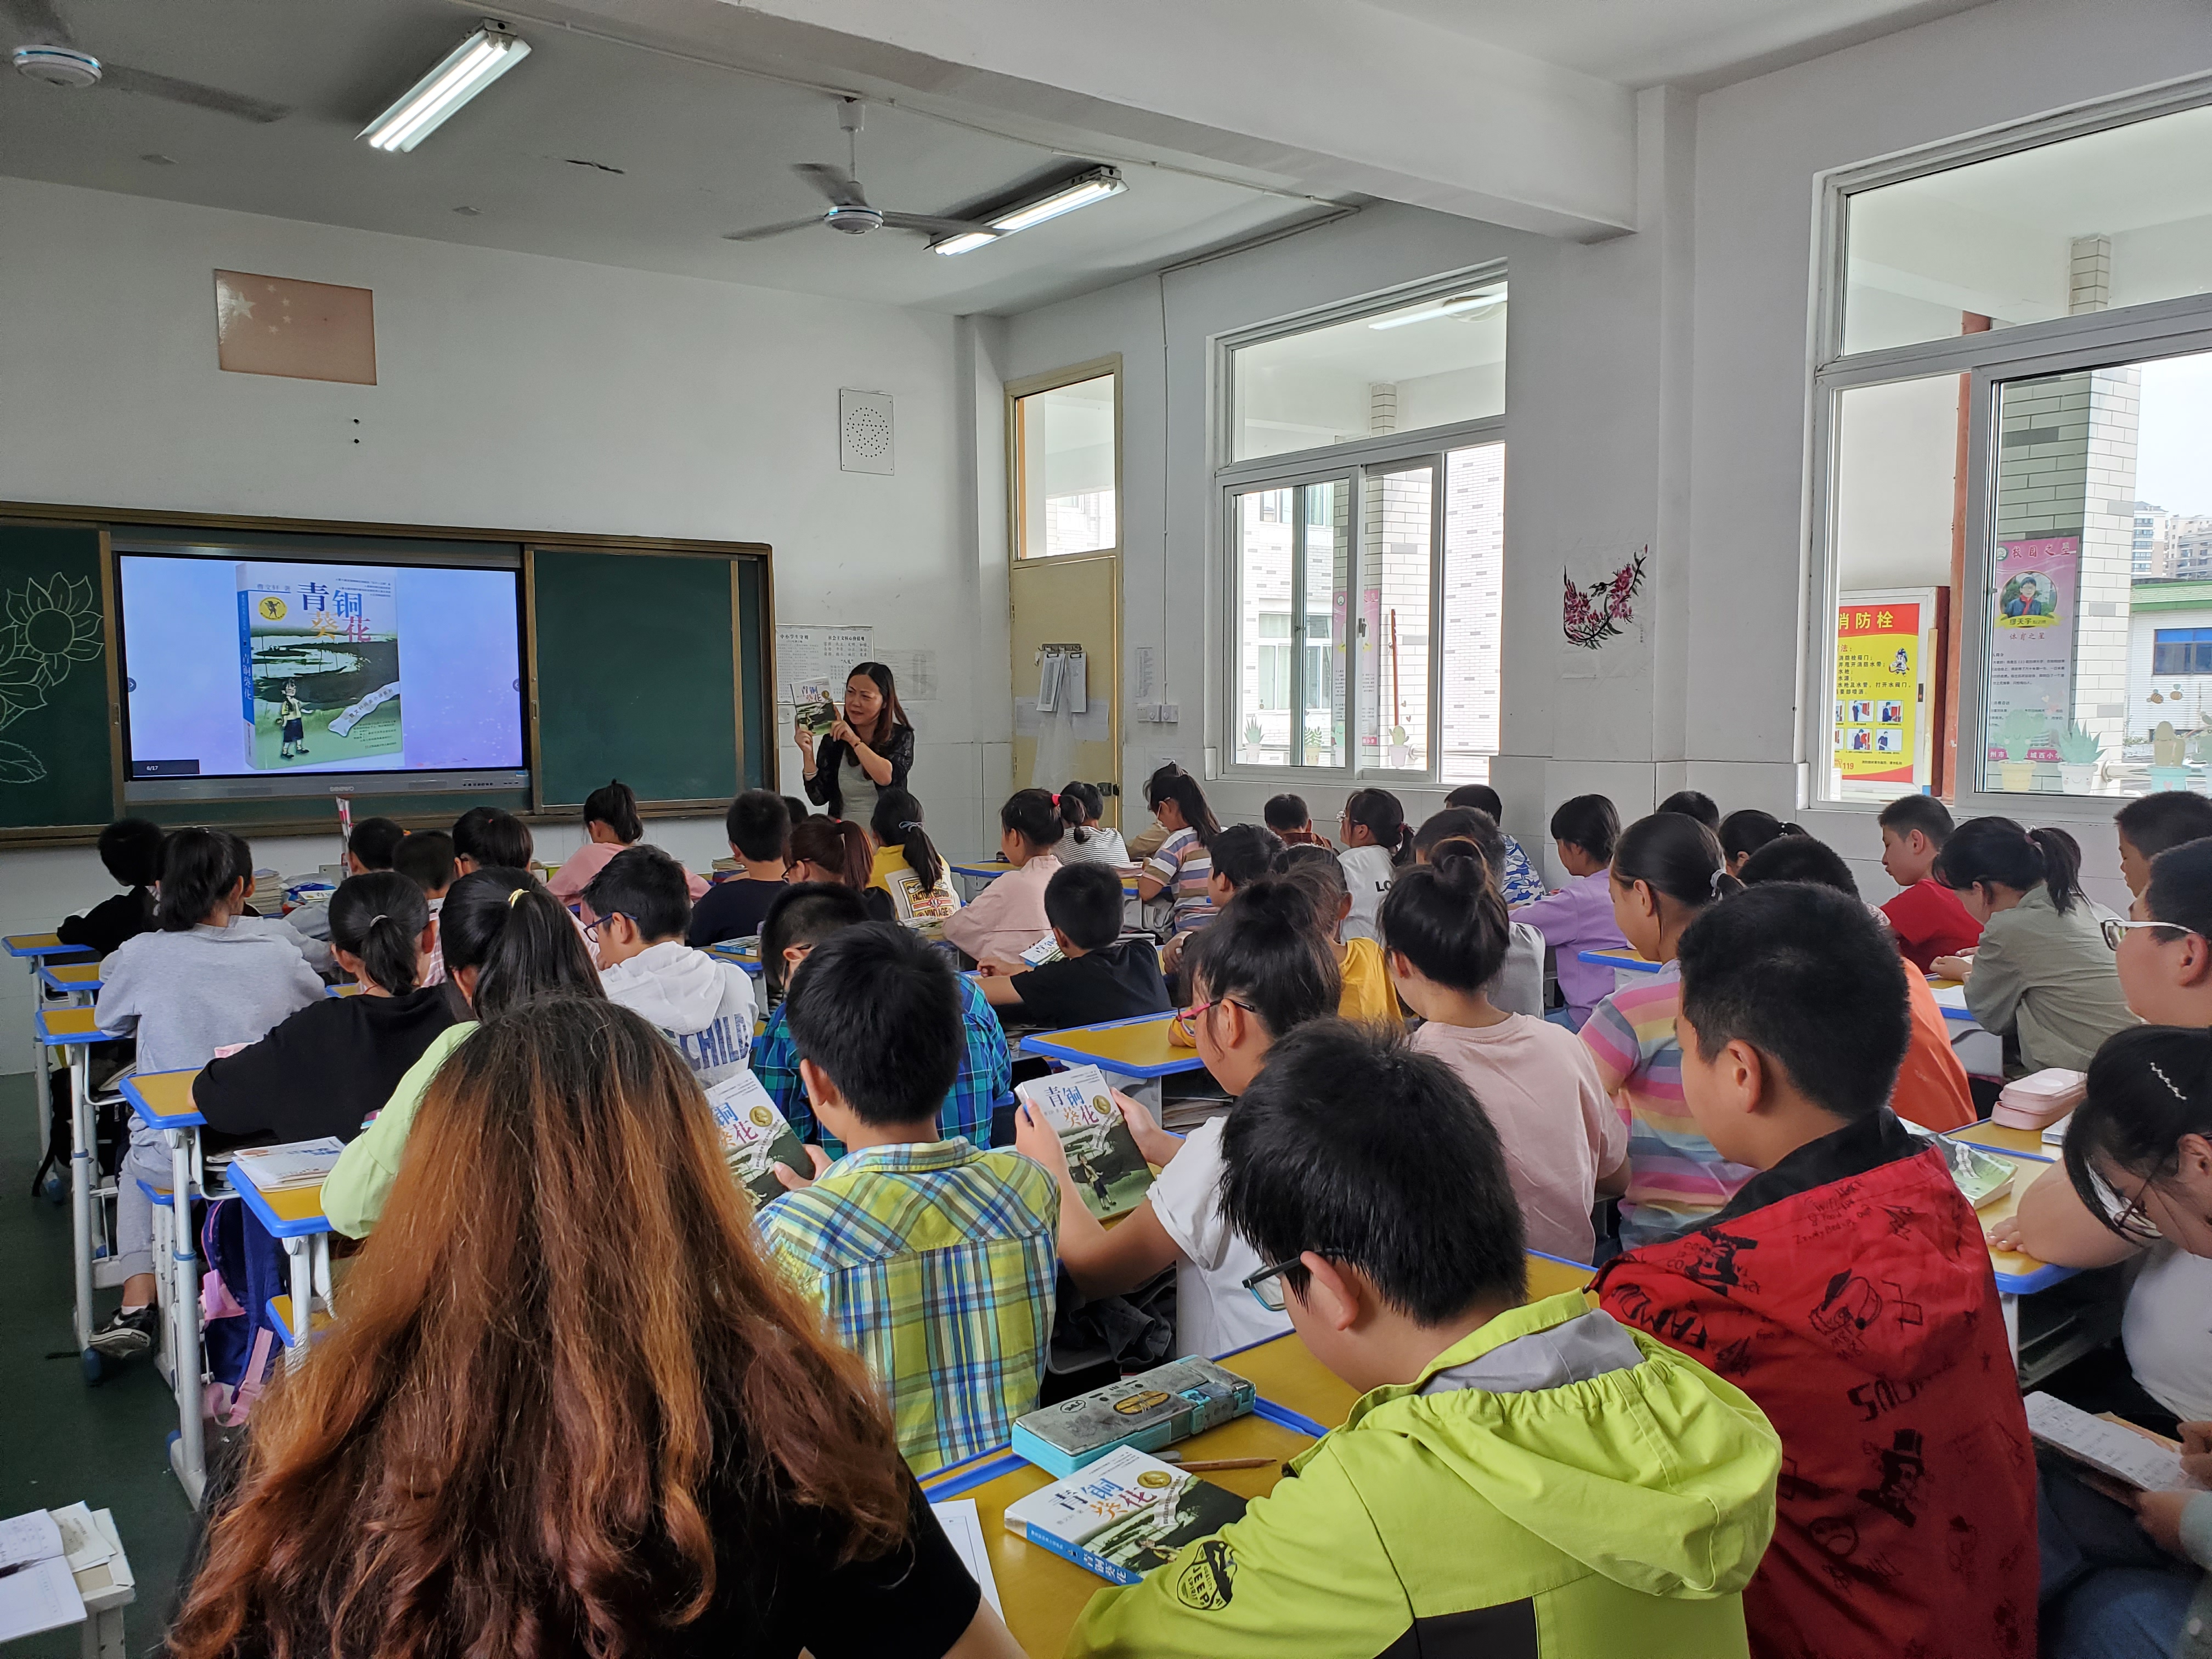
{"type": "Point", "coordinates": [184, 995]}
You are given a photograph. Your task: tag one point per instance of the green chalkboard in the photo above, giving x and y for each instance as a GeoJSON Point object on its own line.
{"type": "Point", "coordinates": [636, 666]}
{"type": "Point", "coordinates": [57, 746]}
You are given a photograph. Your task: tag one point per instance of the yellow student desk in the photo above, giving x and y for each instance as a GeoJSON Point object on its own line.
{"type": "Point", "coordinates": [1043, 1594]}
{"type": "Point", "coordinates": [38, 951]}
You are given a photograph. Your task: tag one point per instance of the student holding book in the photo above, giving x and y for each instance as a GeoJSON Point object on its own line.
{"type": "Point", "coordinates": [131, 850]}
{"type": "Point", "coordinates": [758, 825]}
{"type": "Point", "coordinates": [1378, 843]}
{"type": "Point", "coordinates": [507, 940]}
{"type": "Point", "coordinates": [1667, 871]}
{"type": "Point", "coordinates": [1007, 917]}
{"type": "Point", "coordinates": [195, 984]}
{"type": "Point", "coordinates": [1257, 974]}
{"type": "Point", "coordinates": [335, 1062]}
{"type": "Point", "coordinates": [1180, 865]}
{"type": "Point", "coordinates": [1845, 1288]}
{"type": "Point", "coordinates": [1446, 928]}
{"type": "Point", "coordinates": [1517, 1477]}
{"type": "Point", "coordinates": [1149, 839]}
{"type": "Point", "coordinates": [733, 1486]}
{"type": "Point", "coordinates": [1931, 1083]}
{"type": "Point", "coordinates": [1368, 995]}
{"type": "Point", "coordinates": [2042, 975]}
{"type": "Point", "coordinates": [1579, 916]}
{"type": "Point", "coordinates": [703, 1004]}
{"type": "Point", "coordinates": [1926, 919]}
{"type": "Point", "coordinates": [2149, 824]}
{"type": "Point", "coordinates": [1100, 975]}
{"type": "Point", "coordinates": [610, 824]}
{"type": "Point", "coordinates": [1519, 986]}
{"type": "Point", "coordinates": [929, 1256]}
{"type": "Point", "coordinates": [1518, 880]}
{"type": "Point", "coordinates": [1087, 841]}
{"type": "Point", "coordinates": [907, 866]}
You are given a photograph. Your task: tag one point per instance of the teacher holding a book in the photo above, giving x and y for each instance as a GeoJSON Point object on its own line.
{"type": "Point", "coordinates": [867, 747]}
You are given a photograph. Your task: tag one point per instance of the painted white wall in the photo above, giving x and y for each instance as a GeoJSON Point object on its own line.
{"type": "Point", "coordinates": [515, 391]}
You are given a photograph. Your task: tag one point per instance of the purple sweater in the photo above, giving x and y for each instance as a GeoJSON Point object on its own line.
{"type": "Point", "coordinates": [1578, 918]}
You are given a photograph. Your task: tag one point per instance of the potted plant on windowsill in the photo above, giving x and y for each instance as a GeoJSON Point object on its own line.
{"type": "Point", "coordinates": [2079, 751]}
{"type": "Point", "coordinates": [1400, 751]}
{"type": "Point", "coordinates": [2023, 729]}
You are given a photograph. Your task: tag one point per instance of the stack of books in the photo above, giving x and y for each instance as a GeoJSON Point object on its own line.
{"type": "Point", "coordinates": [267, 895]}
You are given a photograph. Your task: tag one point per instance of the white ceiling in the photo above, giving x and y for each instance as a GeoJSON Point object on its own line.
{"type": "Point", "coordinates": [700, 150]}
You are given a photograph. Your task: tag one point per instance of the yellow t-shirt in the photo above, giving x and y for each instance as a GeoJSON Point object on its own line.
{"type": "Point", "coordinates": [1369, 996]}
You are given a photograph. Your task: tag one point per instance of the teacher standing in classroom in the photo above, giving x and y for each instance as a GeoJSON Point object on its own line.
{"type": "Point", "coordinates": [870, 748]}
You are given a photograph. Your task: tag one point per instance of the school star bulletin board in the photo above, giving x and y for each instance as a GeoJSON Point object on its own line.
{"type": "Point", "coordinates": [1884, 644]}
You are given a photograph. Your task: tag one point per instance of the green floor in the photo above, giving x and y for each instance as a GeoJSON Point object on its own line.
{"type": "Point", "coordinates": [59, 1440]}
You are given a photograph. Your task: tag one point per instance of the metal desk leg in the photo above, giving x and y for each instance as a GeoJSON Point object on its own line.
{"type": "Point", "coordinates": [38, 1058]}
{"type": "Point", "coordinates": [2008, 1304]}
{"type": "Point", "coordinates": [79, 1182]}
{"type": "Point", "coordinates": [303, 1298]}
{"type": "Point", "coordinates": [188, 1456]}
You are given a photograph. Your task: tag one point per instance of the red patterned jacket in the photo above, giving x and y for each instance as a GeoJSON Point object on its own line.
{"type": "Point", "coordinates": [1848, 1290]}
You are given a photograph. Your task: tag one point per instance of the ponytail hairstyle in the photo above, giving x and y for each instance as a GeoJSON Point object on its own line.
{"type": "Point", "coordinates": [2148, 1087]}
{"type": "Point", "coordinates": [1470, 825]}
{"type": "Point", "coordinates": [613, 805]}
{"type": "Point", "coordinates": [1034, 816]}
{"type": "Point", "coordinates": [493, 838]}
{"type": "Point", "coordinates": [1243, 853]}
{"type": "Point", "coordinates": [1676, 857]}
{"type": "Point", "coordinates": [379, 917]}
{"type": "Point", "coordinates": [1588, 822]}
{"type": "Point", "coordinates": [896, 822]}
{"type": "Point", "coordinates": [1378, 811]}
{"type": "Point", "coordinates": [1182, 789]}
{"type": "Point", "coordinates": [1080, 807]}
{"type": "Point", "coordinates": [1448, 918]}
{"type": "Point", "coordinates": [520, 940]}
{"type": "Point", "coordinates": [1265, 953]}
{"type": "Point", "coordinates": [833, 844]}
{"type": "Point", "coordinates": [200, 867]}
{"type": "Point", "coordinates": [1745, 832]}
{"type": "Point", "coordinates": [1998, 852]}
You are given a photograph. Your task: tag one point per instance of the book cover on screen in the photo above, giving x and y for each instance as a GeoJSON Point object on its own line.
{"type": "Point", "coordinates": [755, 1136]}
{"type": "Point", "coordinates": [1124, 1516]}
{"type": "Point", "coordinates": [814, 705]}
{"type": "Point", "coordinates": [1109, 1172]}
{"type": "Point", "coordinates": [1152, 1409]}
{"type": "Point", "coordinates": [318, 666]}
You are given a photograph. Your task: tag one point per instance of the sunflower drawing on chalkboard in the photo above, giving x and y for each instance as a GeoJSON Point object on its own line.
{"type": "Point", "coordinates": [50, 626]}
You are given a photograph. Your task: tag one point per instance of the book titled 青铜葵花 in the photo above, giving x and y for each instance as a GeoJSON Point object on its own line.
{"type": "Point", "coordinates": [1152, 1409]}
{"type": "Point", "coordinates": [1125, 1515]}
{"type": "Point", "coordinates": [1109, 1172]}
{"type": "Point", "coordinates": [756, 1137]}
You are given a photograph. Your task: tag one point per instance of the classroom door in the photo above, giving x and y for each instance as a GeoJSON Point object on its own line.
{"type": "Point", "coordinates": [1069, 600]}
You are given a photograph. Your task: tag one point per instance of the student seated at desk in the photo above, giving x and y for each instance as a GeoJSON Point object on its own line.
{"type": "Point", "coordinates": [1178, 866]}
{"type": "Point", "coordinates": [1378, 843]}
{"type": "Point", "coordinates": [929, 1257]}
{"type": "Point", "coordinates": [2042, 975]}
{"type": "Point", "coordinates": [1368, 996]}
{"type": "Point", "coordinates": [1087, 841]}
{"type": "Point", "coordinates": [1517, 1478]}
{"type": "Point", "coordinates": [371, 846]}
{"type": "Point", "coordinates": [506, 941]}
{"type": "Point", "coordinates": [426, 857]}
{"type": "Point", "coordinates": [726, 1440]}
{"type": "Point", "coordinates": [334, 1063]}
{"type": "Point", "coordinates": [2127, 1579]}
{"type": "Point", "coordinates": [610, 824]}
{"type": "Point", "coordinates": [1445, 927]}
{"type": "Point", "coordinates": [1256, 973]}
{"type": "Point", "coordinates": [1287, 815]}
{"type": "Point", "coordinates": [758, 825]}
{"type": "Point", "coordinates": [195, 984]}
{"type": "Point", "coordinates": [130, 849]}
{"type": "Point", "coordinates": [1519, 986]}
{"type": "Point", "coordinates": [810, 912]}
{"type": "Point", "coordinates": [2149, 824]}
{"type": "Point", "coordinates": [1237, 857]}
{"type": "Point", "coordinates": [315, 952]}
{"type": "Point", "coordinates": [1007, 917]}
{"type": "Point", "coordinates": [836, 850]}
{"type": "Point", "coordinates": [1926, 920]}
{"type": "Point", "coordinates": [1667, 871]}
{"type": "Point", "coordinates": [907, 869]}
{"type": "Point", "coordinates": [1518, 880]}
{"type": "Point", "coordinates": [703, 1004]}
{"type": "Point", "coordinates": [1845, 1288]}
{"type": "Point", "coordinates": [491, 838]}
{"type": "Point", "coordinates": [1150, 839]}
{"type": "Point", "coordinates": [1579, 916]}
{"type": "Point", "coordinates": [1694, 804]}
{"type": "Point", "coordinates": [1745, 831]}
{"type": "Point", "coordinates": [1931, 1083]}
{"type": "Point", "coordinates": [1100, 975]}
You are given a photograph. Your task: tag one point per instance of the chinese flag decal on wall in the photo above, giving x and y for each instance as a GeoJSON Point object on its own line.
{"type": "Point", "coordinates": [307, 330]}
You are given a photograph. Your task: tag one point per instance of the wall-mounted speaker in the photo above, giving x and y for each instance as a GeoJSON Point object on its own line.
{"type": "Point", "coordinates": [864, 431]}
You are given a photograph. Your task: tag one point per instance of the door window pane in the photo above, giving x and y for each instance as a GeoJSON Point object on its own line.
{"type": "Point", "coordinates": [2119, 217]}
{"type": "Point", "coordinates": [1394, 579]}
{"type": "Point", "coordinates": [1065, 466]}
{"type": "Point", "coordinates": [1436, 362]}
{"type": "Point", "coordinates": [1474, 569]}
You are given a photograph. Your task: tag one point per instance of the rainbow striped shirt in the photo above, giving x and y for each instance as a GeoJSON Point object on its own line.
{"type": "Point", "coordinates": [1675, 1178]}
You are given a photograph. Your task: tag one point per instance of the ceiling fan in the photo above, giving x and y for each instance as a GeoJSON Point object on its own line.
{"type": "Point", "coordinates": [850, 210]}
{"type": "Point", "coordinates": [45, 51]}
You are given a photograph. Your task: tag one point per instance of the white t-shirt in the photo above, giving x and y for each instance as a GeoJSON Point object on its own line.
{"type": "Point", "coordinates": [2167, 1331]}
{"type": "Point", "coordinates": [1099, 845]}
{"type": "Point", "coordinates": [1368, 873]}
{"type": "Point", "coordinates": [1214, 1312]}
{"type": "Point", "coordinates": [1542, 1090]}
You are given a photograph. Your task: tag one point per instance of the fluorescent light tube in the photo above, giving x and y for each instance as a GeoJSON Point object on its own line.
{"type": "Point", "coordinates": [1078, 192]}
{"type": "Point", "coordinates": [967, 242]}
{"type": "Point", "coordinates": [467, 70]}
{"type": "Point", "coordinates": [1458, 307]}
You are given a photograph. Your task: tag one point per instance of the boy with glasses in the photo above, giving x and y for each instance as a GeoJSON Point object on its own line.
{"type": "Point", "coordinates": [641, 901]}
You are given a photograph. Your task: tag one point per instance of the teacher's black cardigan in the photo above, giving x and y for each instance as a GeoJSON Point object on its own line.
{"type": "Point", "coordinates": [829, 758]}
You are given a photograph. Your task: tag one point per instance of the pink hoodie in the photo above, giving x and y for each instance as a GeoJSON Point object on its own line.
{"type": "Point", "coordinates": [570, 880]}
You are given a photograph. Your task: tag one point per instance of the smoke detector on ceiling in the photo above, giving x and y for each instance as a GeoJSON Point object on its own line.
{"type": "Point", "coordinates": [57, 66]}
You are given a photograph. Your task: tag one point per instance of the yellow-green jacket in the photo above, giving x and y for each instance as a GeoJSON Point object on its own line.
{"type": "Point", "coordinates": [1555, 1485]}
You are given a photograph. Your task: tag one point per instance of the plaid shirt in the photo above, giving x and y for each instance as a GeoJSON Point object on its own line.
{"type": "Point", "coordinates": [987, 1072]}
{"type": "Point", "coordinates": [934, 1263]}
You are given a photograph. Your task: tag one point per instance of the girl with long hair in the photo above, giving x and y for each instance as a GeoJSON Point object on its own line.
{"type": "Point", "coordinates": [907, 865]}
{"type": "Point", "coordinates": [612, 825]}
{"type": "Point", "coordinates": [833, 850]}
{"type": "Point", "coordinates": [1182, 864]}
{"type": "Point", "coordinates": [1378, 843]}
{"type": "Point", "coordinates": [1087, 841]}
{"type": "Point", "coordinates": [570, 1411]}
{"type": "Point", "coordinates": [870, 747]}
{"type": "Point", "coordinates": [1007, 917]}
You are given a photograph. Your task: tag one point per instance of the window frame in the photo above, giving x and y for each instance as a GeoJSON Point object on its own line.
{"type": "Point", "coordinates": [1053, 380]}
{"type": "Point", "coordinates": [2099, 339]}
